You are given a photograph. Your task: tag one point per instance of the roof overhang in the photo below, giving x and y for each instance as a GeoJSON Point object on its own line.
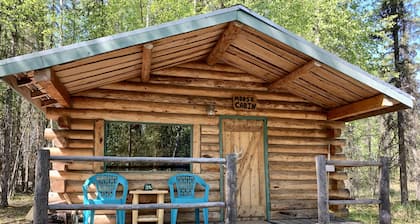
{"type": "Point", "coordinates": [313, 60]}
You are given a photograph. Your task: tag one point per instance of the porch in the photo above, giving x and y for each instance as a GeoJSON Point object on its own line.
{"type": "Point", "coordinates": [229, 203]}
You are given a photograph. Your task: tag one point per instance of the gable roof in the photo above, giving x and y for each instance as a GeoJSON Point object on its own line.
{"type": "Point", "coordinates": [278, 57]}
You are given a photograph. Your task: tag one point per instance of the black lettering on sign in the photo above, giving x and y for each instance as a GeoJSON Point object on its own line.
{"type": "Point", "coordinates": [244, 102]}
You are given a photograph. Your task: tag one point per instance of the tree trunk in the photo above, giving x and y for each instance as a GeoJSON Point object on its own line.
{"type": "Point", "coordinates": [402, 150]}
{"type": "Point", "coordinates": [6, 156]}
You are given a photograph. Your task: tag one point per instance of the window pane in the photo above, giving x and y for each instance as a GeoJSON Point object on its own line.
{"type": "Point", "coordinates": [147, 140]}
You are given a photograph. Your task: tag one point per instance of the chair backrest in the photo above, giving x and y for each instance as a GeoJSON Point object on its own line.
{"type": "Point", "coordinates": [106, 186]}
{"type": "Point", "coordinates": [185, 185]}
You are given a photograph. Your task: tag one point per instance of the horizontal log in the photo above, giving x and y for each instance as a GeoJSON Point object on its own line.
{"type": "Point", "coordinates": [291, 166]}
{"type": "Point", "coordinates": [307, 194]}
{"type": "Point", "coordinates": [293, 204]}
{"type": "Point", "coordinates": [70, 151]}
{"type": "Point", "coordinates": [278, 157]}
{"type": "Point", "coordinates": [116, 115]}
{"type": "Point", "coordinates": [77, 198]}
{"type": "Point", "coordinates": [217, 67]}
{"type": "Point", "coordinates": [210, 147]}
{"type": "Point", "coordinates": [81, 124]}
{"type": "Point", "coordinates": [210, 154]}
{"type": "Point", "coordinates": [76, 186]}
{"type": "Point", "coordinates": [294, 132]}
{"type": "Point", "coordinates": [127, 105]}
{"type": "Point", "coordinates": [50, 134]}
{"type": "Point", "coordinates": [209, 83]}
{"type": "Point", "coordinates": [305, 141]}
{"type": "Point", "coordinates": [352, 163]}
{"type": "Point", "coordinates": [354, 202]}
{"type": "Point", "coordinates": [304, 124]}
{"type": "Point", "coordinates": [192, 91]}
{"type": "Point", "coordinates": [133, 206]}
{"type": "Point", "coordinates": [300, 175]}
{"type": "Point", "coordinates": [286, 185]}
{"type": "Point", "coordinates": [136, 176]}
{"type": "Point", "coordinates": [195, 100]}
{"type": "Point", "coordinates": [209, 130]}
{"type": "Point", "coordinates": [79, 166]}
{"type": "Point", "coordinates": [207, 74]}
{"type": "Point", "coordinates": [177, 160]}
{"type": "Point", "coordinates": [301, 149]}
{"type": "Point", "coordinates": [209, 168]}
{"type": "Point", "coordinates": [77, 143]}
{"type": "Point", "coordinates": [307, 158]}
{"type": "Point", "coordinates": [210, 139]}
{"type": "Point", "coordinates": [282, 185]}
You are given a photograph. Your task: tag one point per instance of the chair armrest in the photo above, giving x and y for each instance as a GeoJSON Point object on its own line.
{"type": "Point", "coordinates": [85, 189]}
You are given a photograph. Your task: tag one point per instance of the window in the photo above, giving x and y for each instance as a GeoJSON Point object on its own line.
{"type": "Point", "coordinates": [147, 140]}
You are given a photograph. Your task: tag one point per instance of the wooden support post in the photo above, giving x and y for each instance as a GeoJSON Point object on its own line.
{"type": "Point", "coordinates": [230, 193]}
{"type": "Point", "coordinates": [385, 205]}
{"type": "Point", "coordinates": [99, 144]}
{"type": "Point", "coordinates": [42, 186]}
{"type": "Point", "coordinates": [146, 63]}
{"type": "Point", "coordinates": [322, 184]}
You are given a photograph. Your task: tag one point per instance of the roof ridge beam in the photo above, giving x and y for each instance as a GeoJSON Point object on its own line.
{"type": "Point", "coordinates": [297, 73]}
{"type": "Point", "coordinates": [146, 62]}
{"type": "Point", "coordinates": [360, 107]}
{"type": "Point", "coordinates": [52, 85]}
{"type": "Point", "coordinates": [228, 36]}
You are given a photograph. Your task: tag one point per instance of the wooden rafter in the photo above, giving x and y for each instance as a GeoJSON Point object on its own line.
{"type": "Point", "coordinates": [146, 62]}
{"type": "Point", "coordinates": [49, 81]}
{"type": "Point", "coordinates": [224, 42]}
{"type": "Point", "coordinates": [23, 91]}
{"type": "Point", "coordinates": [378, 102]}
{"type": "Point", "coordinates": [36, 94]}
{"type": "Point", "coordinates": [299, 72]}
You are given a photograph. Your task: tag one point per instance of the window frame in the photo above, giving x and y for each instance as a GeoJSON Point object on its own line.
{"type": "Point", "coordinates": [191, 140]}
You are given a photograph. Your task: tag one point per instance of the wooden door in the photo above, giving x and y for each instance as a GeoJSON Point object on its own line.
{"type": "Point", "coordinates": [247, 138]}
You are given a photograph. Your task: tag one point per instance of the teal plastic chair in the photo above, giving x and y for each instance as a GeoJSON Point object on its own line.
{"type": "Point", "coordinates": [182, 190]}
{"type": "Point", "coordinates": [106, 188]}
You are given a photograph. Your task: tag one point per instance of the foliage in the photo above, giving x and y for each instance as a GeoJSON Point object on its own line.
{"type": "Point", "coordinates": [401, 214]}
{"type": "Point", "coordinates": [149, 140]}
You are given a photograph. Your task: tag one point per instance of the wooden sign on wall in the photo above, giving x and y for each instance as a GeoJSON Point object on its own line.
{"type": "Point", "coordinates": [244, 102]}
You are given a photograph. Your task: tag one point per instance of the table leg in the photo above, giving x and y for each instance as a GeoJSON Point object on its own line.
{"type": "Point", "coordinates": [159, 212]}
{"type": "Point", "coordinates": [135, 213]}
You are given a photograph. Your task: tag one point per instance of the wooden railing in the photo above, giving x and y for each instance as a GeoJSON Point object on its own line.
{"type": "Point", "coordinates": [42, 183]}
{"type": "Point", "coordinates": [322, 182]}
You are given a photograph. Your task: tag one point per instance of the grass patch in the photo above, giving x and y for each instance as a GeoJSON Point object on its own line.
{"type": "Point", "coordinates": [19, 206]}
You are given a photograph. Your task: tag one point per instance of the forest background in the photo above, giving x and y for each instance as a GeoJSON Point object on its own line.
{"type": "Point", "coordinates": [380, 36]}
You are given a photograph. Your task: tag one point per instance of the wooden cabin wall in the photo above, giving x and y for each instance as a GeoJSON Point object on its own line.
{"type": "Point", "coordinates": [297, 132]}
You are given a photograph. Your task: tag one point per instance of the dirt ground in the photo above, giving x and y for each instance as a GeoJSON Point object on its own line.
{"type": "Point", "coordinates": [19, 206]}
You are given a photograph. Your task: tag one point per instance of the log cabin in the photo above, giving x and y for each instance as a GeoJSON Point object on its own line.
{"type": "Point", "coordinates": [233, 80]}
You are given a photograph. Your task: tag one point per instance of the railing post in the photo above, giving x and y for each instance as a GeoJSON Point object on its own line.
{"type": "Point", "coordinates": [42, 187]}
{"type": "Point", "coordinates": [385, 205]}
{"type": "Point", "coordinates": [322, 189]}
{"type": "Point", "coordinates": [230, 193]}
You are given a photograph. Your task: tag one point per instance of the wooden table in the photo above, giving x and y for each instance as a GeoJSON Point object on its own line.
{"type": "Point", "coordinates": [160, 196]}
